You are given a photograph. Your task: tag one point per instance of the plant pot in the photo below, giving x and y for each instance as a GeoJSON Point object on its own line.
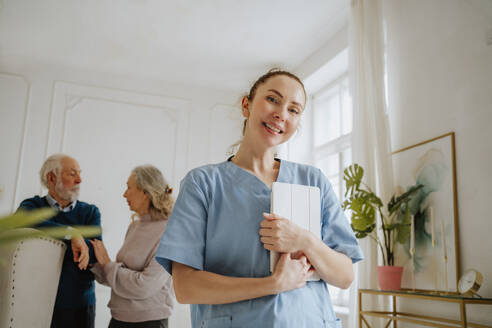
{"type": "Point", "coordinates": [390, 277]}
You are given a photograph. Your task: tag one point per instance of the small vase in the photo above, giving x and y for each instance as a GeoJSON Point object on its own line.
{"type": "Point", "coordinates": [390, 277]}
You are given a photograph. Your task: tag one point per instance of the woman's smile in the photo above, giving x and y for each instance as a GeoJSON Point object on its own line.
{"type": "Point", "coordinates": [273, 129]}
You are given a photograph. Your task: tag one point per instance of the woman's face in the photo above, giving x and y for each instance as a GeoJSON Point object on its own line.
{"type": "Point", "coordinates": [137, 199]}
{"type": "Point", "coordinates": [275, 111]}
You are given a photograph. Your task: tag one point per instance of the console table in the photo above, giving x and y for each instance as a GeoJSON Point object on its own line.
{"type": "Point", "coordinates": [415, 318]}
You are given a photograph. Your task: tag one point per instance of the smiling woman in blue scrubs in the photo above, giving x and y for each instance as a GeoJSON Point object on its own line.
{"type": "Point", "coordinates": [217, 240]}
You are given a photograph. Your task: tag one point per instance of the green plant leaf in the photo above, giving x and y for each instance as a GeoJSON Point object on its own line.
{"type": "Point", "coordinates": [24, 218]}
{"type": "Point", "coordinates": [371, 197]}
{"type": "Point", "coordinates": [363, 214]}
{"type": "Point", "coordinates": [53, 232]}
{"type": "Point", "coordinates": [364, 196]}
{"type": "Point", "coordinates": [359, 234]}
{"type": "Point", "coordinates": [352, 176]}
{"type": "Point", "coordinates": [10, 226]}
{"type": "Point", "coordinates": [390, 226]}
{"type": "Point", "coordinates": [366, 206]}
{"type": "Point", "coordinates": [62, 232]}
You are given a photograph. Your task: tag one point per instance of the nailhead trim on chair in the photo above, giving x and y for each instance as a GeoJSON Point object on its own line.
{"type": "Point", "coordinates": [13, 281]}
{"type": "Point", "coordinates": [54, 241]}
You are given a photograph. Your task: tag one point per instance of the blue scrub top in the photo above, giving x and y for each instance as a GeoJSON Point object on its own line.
{"type": "Point", "coordinates": [215, 225]}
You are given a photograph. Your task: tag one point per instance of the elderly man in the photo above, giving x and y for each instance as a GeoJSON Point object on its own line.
{"type": "Point", "coordinates": [75, 299]}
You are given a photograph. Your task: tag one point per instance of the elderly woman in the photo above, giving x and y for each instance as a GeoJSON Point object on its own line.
{"type": "Point", "coordinates": [141, 290]}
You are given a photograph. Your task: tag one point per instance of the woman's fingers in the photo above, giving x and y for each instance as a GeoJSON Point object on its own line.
{"type": "Point", "coordinates": [98, 247]}
{"type": "Point", "coordinates": [271, 220]}
{"type": "Point", "coordinates": [95, 246]}
{"type": "Point", "coordinates": [293, 265]}
{"type": "Point", "coordinates": [293, 273]}
{"type": "Point", "coordinates": [270, 223]}
{"type": "Point", "coordinates": [96, 243]}
{"type": "Point", "coordinates": [267, 232]}
{"type": "Point", "coordinates": [303, 259]}
{"type": "Point", "coordinates": [267, 240]}
{"type": "Point", "coordinates": [271, 216]}
{"type": "Point", "coordinates": [307, 265]}
{"type": "Point", "coordinates": [100, 252]}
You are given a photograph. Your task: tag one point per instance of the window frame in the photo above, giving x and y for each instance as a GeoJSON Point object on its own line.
{"type": "Point", "coordinates": [340, 298]}
{"type": "Point", "coordinates": [339, 144]}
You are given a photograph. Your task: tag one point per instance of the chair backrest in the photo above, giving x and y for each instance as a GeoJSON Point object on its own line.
{"type": "Point", "coordinates": [29, 275]}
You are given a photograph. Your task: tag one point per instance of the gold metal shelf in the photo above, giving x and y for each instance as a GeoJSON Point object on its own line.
{"type": "Point", "coordinates": [424, 320]}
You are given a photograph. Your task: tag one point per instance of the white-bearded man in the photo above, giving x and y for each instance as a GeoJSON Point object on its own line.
{"type": "Point", "coordinates": [75, 299]}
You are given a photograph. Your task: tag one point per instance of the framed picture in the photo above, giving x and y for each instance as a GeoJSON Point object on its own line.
{"type": "Point", "coordinates": [435, 265]}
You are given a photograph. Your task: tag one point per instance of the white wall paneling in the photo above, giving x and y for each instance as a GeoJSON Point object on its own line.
{"type": "Point", "coordinates": [69, 97]}
{"type": "Point", "coordinates": [14, 105]}
{"type": "Point", "coordinates": [109, 132]}
{"type": "Point", "coordinates": [109, 124]}
{"type": "Point", "coordinates": [227, 121]}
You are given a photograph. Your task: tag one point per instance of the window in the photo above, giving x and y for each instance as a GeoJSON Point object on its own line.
{"type": "Point", "coordinates": [332, 121]}
{"type": "Point", "coordinates": [332, 153]}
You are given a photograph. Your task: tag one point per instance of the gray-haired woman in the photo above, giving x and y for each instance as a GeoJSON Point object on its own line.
{"type": "Point", "coordinates": [141, 290]}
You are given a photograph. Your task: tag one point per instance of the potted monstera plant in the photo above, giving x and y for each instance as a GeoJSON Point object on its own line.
{"type": "Point", "coordinates": [385, 225]}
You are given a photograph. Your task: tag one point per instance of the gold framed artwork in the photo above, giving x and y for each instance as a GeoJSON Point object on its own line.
{"type": "Point", "coordinates": [432, 163]}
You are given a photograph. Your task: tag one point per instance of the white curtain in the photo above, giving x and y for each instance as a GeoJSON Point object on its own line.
{"type": "Point", "coordinates": [370, 143]}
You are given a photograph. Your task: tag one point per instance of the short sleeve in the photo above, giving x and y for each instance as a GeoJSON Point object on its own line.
{"type": "Point", "coordinates": [335, 229]}
{"type": "Point", "coordinates": [183, 240]}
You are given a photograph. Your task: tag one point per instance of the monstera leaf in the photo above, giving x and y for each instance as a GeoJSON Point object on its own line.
{"type": "Point", "coordinates": [365, 196]}
{"type": "Point", "coordinates": [370, 197]}
{"type": "Point", "coordinates": [363, 214]}
{"type": "Point", "coordinates": [352, 176]}
{"type": "Point", "coordinates": [361, 234]}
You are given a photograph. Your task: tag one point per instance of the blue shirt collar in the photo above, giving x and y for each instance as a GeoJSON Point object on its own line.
{"type": "Point", "coordinates": [54, 204]}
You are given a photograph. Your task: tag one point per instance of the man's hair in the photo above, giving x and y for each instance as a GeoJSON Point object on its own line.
{"type": "Point", "coordinates": [51, 164]}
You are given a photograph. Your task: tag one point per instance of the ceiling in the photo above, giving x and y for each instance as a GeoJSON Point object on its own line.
{"type": "Point", "coordinates": [221, 44]}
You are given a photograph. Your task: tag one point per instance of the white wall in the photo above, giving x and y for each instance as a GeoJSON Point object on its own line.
{"type": "Point", "coordinates": [109, 124]}
{"type": "Point", "coordinates": [440, 80]}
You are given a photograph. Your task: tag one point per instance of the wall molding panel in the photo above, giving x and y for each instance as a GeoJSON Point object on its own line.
{"type": "Point", "coordinates": [71, 97]}
{"type": "Point", "coordinates": [21, 145]}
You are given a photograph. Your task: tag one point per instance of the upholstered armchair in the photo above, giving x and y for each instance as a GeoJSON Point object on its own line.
{"type": "Point", "coordinates": [29, 274]}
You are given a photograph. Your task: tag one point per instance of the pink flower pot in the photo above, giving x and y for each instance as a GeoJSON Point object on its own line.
{"type": "Point", "coordinates": [390, 277]}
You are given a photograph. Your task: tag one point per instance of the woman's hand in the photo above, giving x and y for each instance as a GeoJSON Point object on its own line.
{"type": "Point", "coordinates": [100, 252]}
{"type": "Point", "coordinates": [291, 273]}
{"type": "Point", "coordinates": [282, 235]}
